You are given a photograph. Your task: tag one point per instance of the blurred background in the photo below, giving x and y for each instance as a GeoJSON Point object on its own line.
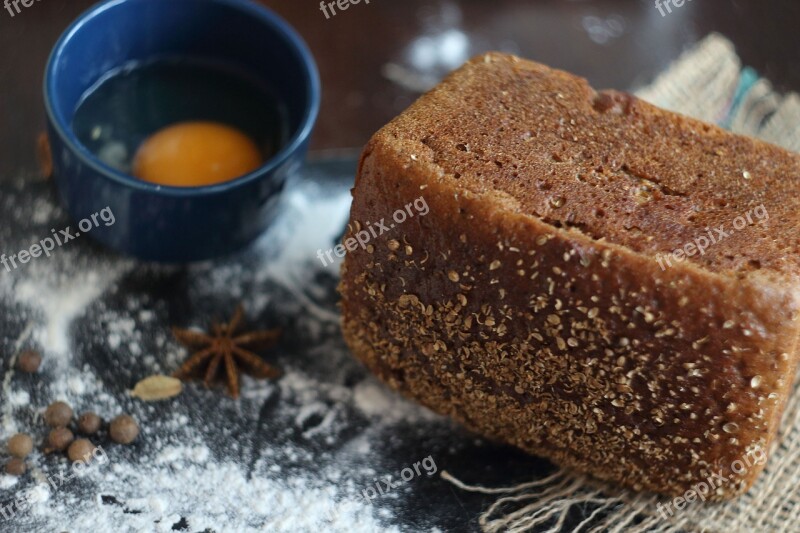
{"type": "Point", "coordinates": [376, 58]}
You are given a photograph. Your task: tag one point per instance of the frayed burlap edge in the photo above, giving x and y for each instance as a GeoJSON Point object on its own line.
{"type": "Point", "coordinates": [708, 83]}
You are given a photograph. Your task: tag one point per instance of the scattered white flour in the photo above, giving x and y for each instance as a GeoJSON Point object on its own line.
{"type": "Point", "coordinates": [61, 301]}
{"type": "Point", "coordinates": [376, 401]}
{"type": "Point", "coordinates": [213, 491]}
{"type": "Point", "coordinates": [282, 458]}
{"type": "Point", "coordinates": [317, 221]}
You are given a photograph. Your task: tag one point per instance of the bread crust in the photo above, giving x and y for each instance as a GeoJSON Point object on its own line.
{"type": "Point", "coordinates": [566, 345]}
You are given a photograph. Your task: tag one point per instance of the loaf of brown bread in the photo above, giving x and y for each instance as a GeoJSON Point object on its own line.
{"type": "Point", "coordinates": [597, 281]}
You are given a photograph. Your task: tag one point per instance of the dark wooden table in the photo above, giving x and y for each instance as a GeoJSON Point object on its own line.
{"type": "Point", "coordinates": [614, 43]}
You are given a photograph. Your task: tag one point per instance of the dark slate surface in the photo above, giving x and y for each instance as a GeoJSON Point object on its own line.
{"type": "Point", "coordinates": [171, 292]}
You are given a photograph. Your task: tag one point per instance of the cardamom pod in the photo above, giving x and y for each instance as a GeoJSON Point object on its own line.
{"type": "Point", "coordinates": [156, 388]}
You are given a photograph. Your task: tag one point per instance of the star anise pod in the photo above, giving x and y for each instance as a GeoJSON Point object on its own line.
{"type": "Point", "coordinates": [223, 346]}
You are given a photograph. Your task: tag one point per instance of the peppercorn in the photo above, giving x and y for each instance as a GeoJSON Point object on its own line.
{"type": "Point", "coordinates": [15, 467]}
{"type": "Point", "coordinates": [89, 423]}
{"type": "Point", "coordinates": [123, 429]}
{"type": "Point", "coordinates": [58, 414]}
{"type": "Point", "coordinates": [80, 450]}
{"type": "Point", "coordinates": [20, 445]}
{"type": "Point", "coordinates": [29, 361]}
{"type": "Point", "coordinates": [59, 439]}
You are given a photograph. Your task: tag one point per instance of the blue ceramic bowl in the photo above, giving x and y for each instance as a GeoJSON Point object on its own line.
{"type": "Point", "coordinates": [172, 224]}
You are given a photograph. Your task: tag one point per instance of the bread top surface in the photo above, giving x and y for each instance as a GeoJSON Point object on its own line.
{"type": "Point", "coordinates": [609, 165]}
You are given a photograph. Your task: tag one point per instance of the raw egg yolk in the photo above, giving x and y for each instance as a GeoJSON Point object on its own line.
{"type": "Point", "coordinates": [192, 154]}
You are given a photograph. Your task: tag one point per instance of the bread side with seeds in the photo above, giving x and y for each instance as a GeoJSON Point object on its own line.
{"type": "Point", "coordinates": [540, 303]}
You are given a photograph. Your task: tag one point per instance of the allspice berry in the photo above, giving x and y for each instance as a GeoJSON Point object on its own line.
{"type": "Point", "coordinates": [58, 414]}
{"type": "Point", "coordinates": [20, 445]}
{"type": "Point", "coordinates": [89, 423]}
{"type": "Point", "coordinates": [80, 450]}
{"type": "Point", "coordinates": [59, 439]}
{"type": "Point", "coordinates": [15, 467]}
{"type": "Point", "coordinates": [29, 361]}
{"type": "Point", "coordinates": [123, 429]}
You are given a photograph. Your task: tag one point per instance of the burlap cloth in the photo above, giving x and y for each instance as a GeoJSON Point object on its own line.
{"type": "Point", "coordinates": [708, 82]}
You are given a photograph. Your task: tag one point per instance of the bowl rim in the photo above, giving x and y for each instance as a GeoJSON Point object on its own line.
{"type": "Point", "coordinates": [267, 16]}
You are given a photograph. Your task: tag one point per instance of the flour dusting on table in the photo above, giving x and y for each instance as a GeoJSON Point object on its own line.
{"type": "Point", "coordinates": [290, 455]}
